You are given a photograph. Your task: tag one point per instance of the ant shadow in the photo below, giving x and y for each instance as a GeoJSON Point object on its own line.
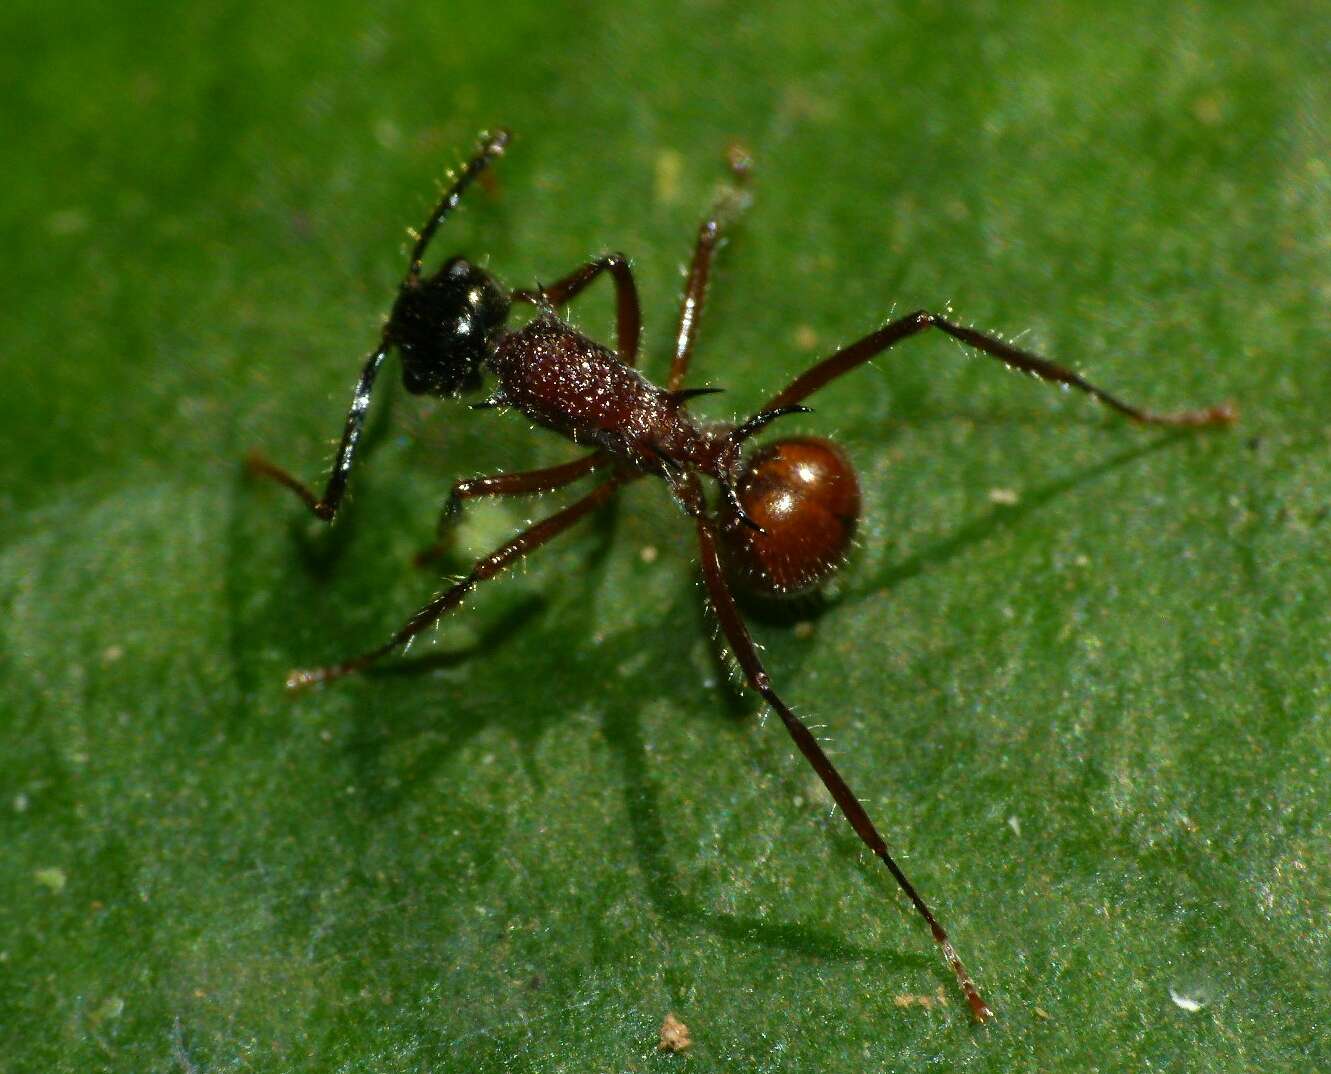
{"type": "Point", "coordinates": [621, 726]}
{"type": "Point", "coordinates": [395, 759]}
{"type": "Point", "coordinates": [1003, 518]}
{"type": "Point", "coordinates": [623, 730]}
{"type": "Point", "coordinates": [387, 781]}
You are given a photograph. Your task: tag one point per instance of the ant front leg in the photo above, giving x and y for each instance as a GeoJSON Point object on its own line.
{"type": "Point", "coordinates": [741, 643]}
{"type": "Point", "coordinates": [628, 311]}
{"type": "Point", "coordinates": [487, 567]}
{"type": "Point", "coordinates": [519, 484]}
{"type": "Point", "coordinates": [861, 351]}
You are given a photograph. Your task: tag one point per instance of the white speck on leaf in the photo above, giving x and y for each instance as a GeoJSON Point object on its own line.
{"type": "Point", "coordinates": [1187, 1002]}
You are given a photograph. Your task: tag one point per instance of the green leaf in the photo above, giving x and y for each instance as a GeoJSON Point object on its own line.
{"type": "Point", "coordinates": [1076, 669]}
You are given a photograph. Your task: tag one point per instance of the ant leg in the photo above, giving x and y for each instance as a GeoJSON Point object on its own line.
{"type": "Point", "coordinates": [325, 507]}
{"type": "Point", "coordinates": [747, 655]}
{"type": "Point", "coordinates": [628, 311]}
{"type": "Point", "coordinates": [520, 484]}
{"type": "Point", "coordinates": [859, 352]}
{"type": "Point", "coordinates": [492, 145]}
{"type": "Point", "coordinates": [485, 568]}
{"type": "Point", "coordinates": [727, 207]}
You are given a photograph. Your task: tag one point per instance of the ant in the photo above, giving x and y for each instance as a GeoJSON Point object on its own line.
{"type": "Point", "coordinates": [785, 514]}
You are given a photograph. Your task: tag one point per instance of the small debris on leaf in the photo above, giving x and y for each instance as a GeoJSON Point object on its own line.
{"type": "Point", "coordinates": [674, 1035]}
{"type": "Point", "coordinates": [926, 1002]}
{"type": "Point", "coordinates": [669, 166]}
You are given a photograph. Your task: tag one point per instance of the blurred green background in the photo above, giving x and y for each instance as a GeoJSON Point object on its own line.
{"type": "Point", "coordinates": [1078, 670]}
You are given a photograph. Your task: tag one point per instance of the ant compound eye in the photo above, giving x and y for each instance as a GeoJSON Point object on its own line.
{"type": "Point", "coordinates": [804, 497]}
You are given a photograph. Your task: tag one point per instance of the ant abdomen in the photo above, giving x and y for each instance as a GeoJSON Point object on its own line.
{"type": "Point", "coordinates": [802, 500]}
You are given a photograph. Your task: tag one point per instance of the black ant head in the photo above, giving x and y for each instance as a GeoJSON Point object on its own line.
{"type": "Point", "coordinates": [445, 326]}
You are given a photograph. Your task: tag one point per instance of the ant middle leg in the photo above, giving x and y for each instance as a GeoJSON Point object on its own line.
{"type": "Point", "coordinates": [487, 567]}
{"type": "Point", "coordinates": [628, 310]}
{"type": "Point", "coordinates": [856, 354]}
{"type": "Point", "coordinates": [525, 483]}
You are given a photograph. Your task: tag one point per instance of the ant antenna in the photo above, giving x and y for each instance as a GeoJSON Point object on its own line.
{"type": "Point", "coordinates": [492, 145]}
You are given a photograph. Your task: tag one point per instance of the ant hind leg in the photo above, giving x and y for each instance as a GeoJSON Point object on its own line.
{"type": "Point", "coordinates": [746, 652]}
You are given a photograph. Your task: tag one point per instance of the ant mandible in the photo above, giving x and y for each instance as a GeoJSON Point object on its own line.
{"type": "Point", "coordinates": [786, 512]}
